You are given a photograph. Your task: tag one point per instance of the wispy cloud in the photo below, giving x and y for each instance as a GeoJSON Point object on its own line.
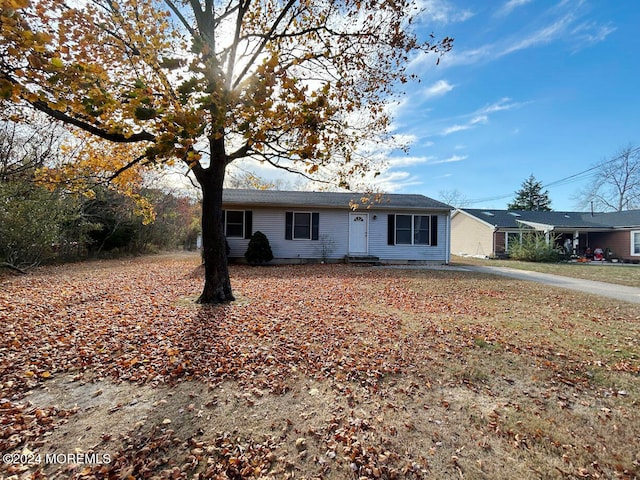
{"type": "Point", "coordinates": [566, 22]}
{"type": "Point", "coordinates": [455, 128]}
{"type": "Point", "coordinates": [510, 6]}
{"type": "Point", "coordinates": [590, 33]}
{"type": "Point", "coordinates": [438, 89]}
{"type": "Point", "coordinates": [480, 119]}
{"type": "Point", "coordinates": [505, 103]}
{"type": "Point", "coordinates": [481, 115]}
{"type": "Point", "coordinates": [442, 11]}
{"type": "Point", "coordinates": [396, 181]}
{"type": "Point", "coordinates": [451, 159]}
{"type": "Point", "coordinates": [396, 162]}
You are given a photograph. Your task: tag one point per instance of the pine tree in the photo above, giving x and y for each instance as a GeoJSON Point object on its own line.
{"type": "Point", "coordinates": [531, 197]}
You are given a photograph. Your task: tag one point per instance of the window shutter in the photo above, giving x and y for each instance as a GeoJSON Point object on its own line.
{"type": "Point", "coordinates": [434, 230]}
{"type": "Point", "coordinates": [248, 223]}
{"type": "Point", "coordinates": [391, 229]}
{"type": "Point", "coordinates": [315, 226]}
{"type": "Point", "coordinates": [288, 227]}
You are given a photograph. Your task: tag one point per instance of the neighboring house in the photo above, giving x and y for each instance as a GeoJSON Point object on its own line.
{"type": "Point", "coordinates": [489, 233]}
{"type": "Point", "coordinates": [322, 226]}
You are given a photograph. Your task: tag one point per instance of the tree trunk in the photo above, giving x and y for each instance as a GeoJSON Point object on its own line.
{"type": "Point", "coordinates": [217, 285]}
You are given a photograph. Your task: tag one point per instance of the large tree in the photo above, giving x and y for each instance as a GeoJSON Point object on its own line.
{"type": "Point", "coordinates": [616, 183]}
{"type": "Point", "coordinates": [531, 197]}
{"type": "Point", "coordinates": [298, 84]}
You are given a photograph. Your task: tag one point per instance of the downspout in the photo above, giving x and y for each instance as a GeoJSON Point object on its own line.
{"type": "Point", "coordinates": [447, 253]}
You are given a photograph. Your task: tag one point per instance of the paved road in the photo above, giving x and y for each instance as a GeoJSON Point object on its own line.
{"type": "Point", "coordinates": [619, 292]}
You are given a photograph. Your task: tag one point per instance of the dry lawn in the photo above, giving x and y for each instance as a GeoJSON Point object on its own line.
{"type": "Point", "coordinates": [108, 370]}
{"type": "Point", "coordinates": [616, 273]}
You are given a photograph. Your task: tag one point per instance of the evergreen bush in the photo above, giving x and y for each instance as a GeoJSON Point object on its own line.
{"type": "Point", "coordinates": [258, 250]}
{"type": "Point", "coordinates": [534, 248]}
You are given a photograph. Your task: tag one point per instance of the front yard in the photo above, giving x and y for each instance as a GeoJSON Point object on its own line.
{"type": "Point", "coordinates": [108, 370]}
{"type": "Point", "coordinates": [617, 273]}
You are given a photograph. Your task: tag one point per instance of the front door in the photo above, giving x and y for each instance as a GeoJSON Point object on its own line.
{"type": "Point", "coordinates": [358, 233]}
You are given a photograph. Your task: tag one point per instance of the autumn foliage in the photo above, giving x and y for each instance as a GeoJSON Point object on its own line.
{"type": "Point", "coordinates": [298, 85]}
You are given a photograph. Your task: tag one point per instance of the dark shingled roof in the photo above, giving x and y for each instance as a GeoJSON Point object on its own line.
{"type": "Point", "coordinates": [597, 220]}
{"type": "Point", "coordinates": [328, 200]}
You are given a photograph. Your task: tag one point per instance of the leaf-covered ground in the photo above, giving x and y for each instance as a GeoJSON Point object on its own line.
{"type": "Point", "coordinates": [109, 370]}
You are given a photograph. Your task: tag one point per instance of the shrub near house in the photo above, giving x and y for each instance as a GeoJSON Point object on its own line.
{"type": "Point", "coordinates": [259, 251]}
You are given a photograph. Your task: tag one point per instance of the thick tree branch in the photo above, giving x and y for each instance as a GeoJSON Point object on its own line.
{"type": "Point", "coordinates": [87, 127]}
{"type": "Point", "coordinates": [258, 51]}
{"type": "Point", "coordinates": [127, 167]}
{"type": "Point", "coordinates": [176, 11]}
{"type": "Point", "coordinates": [275, 164]}
{"type": "Point", "coordinates": [244, 6]}
{"type": "Point", "coordinates": [13, 267]}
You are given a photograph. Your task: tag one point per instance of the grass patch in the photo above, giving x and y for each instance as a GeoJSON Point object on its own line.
{"type": "Point", "coordinates": [620, 274]}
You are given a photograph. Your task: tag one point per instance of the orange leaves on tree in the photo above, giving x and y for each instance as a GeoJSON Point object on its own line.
{"type": "Point", "coordinates": [90, 162]}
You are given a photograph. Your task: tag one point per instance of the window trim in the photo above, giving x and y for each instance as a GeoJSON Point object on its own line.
{"type": "Point", "coordinates": [432, 237]}
{"type": "Point", "coordinates": [226, 224]}
{"type": "Point", "coordinates": [293, 226]}
{"type": "Point", "coordinates": [247, 217]}
{"type": "Point", "coordinates": [290, 225]}
{"type": "Point", "coordinates": [635, 240]}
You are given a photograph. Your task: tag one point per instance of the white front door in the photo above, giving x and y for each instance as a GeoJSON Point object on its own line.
{"type": "Point", "coordinates": [358, 233]}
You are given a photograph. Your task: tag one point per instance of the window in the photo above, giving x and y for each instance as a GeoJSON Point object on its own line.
{"type": "Point", "coordinates": [635, 243]}
{"type": "Point", "coordinates": [237, 223]}
{"type": "Point", "coordinates": [413, 230]}
{"type": "Point", "coordinates": [403, 230]}
{"type": "Point", "coordinates": [421, 229]}
{"type": "Point", "coordinates": [302, 226]}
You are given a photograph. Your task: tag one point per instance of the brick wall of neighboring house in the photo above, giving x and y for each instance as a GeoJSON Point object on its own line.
{"type": "Point", "coordinates": [500, 243]}
{"type": "Point", "coordinates": [618, 242]}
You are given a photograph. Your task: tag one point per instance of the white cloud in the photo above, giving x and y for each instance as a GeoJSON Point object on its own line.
{"type": "Point", "coordinates": [563, 23]}
{"type": "Point", "coordinates": [587, 34]}
{"type": "Point", "coordinates": [396, 181]}
{"type": "Point", "coordinates": [442, 11]}
{"type": "Point", "coordinates": [454, 129]}
{"type": "Point", "coordinates": [503, 104]}
{"type": "Point", "coordinates": [451, 159]}
{"type": "Point", "coordinates": [406, 161]}
{"type": "Point", "coordinates": [439, 88]}
{"type": "Point", "coordinates": [510, 6]}
{"type": "Point", "coordinates": [481, 116]}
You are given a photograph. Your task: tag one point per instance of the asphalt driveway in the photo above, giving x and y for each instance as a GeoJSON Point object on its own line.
{"type": "Point", "coordinates": [618, 292]}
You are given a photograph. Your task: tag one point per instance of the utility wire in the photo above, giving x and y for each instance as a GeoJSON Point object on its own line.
{"type": "Point", "coordinates": [563, 181]}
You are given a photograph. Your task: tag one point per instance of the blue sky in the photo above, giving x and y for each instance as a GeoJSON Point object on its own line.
{"type": "Point", "coordinates": [540, 87]}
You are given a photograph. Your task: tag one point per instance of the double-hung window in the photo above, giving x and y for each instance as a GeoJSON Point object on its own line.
{"type": "Point", "coordinates": [302, 225]}
{"type": "Point", "coordinates": [413, 230]}
{"type": "Point", "coordinates": [237, 223]}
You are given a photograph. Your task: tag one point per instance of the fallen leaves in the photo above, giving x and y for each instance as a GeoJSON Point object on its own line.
{"type": "Point", "coordinates": [419, 370]}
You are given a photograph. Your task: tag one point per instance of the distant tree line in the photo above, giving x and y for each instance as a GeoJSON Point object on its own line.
{"type": "Point", "coordinates": [42, 222]}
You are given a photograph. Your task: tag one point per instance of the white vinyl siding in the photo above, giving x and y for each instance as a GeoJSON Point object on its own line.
{"type": "Point", "coordinates": [333, 238]}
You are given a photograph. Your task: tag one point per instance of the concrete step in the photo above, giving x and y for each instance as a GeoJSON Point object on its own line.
{"type": "Point", "coordinates": [362, 259]}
